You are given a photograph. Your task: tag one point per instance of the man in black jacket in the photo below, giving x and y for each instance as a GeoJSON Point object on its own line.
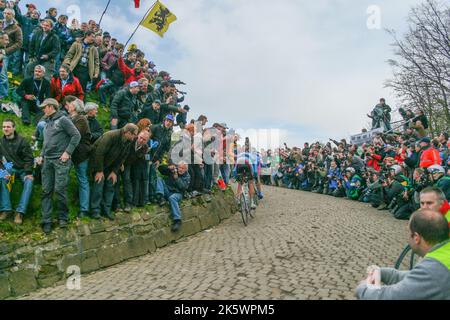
{"type": "Point", "coordinates": [157, 111]}
{"type": "Point", "coordinates": [44, 47]}
{"type": "Point", "coordinates": [124, 106]}
{"type": "Point", "coordinates": [16, 150]}
{"type": "Point", "coordinates": [33, 91]}
{"type": "Point", "coordinates": [96, 128]}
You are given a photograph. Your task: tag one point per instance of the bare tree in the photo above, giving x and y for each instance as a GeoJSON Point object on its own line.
{"type": "Point", "coordinates": [421, 69]}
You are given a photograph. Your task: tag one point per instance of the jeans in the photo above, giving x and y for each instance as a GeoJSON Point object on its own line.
{"type": "Point", "coordinates": [5, 204]}
{"type": "Point", "coordinates": [16, 62]}
{"type": "Point", "coordinates": [55, 177]}
{"type": "Point", "coordinates": [127, 186]}
{"type": "Point", "coordinates": [81, 171]}
{"type": "Point", "coordinates": [4, 86]}
{"type": "Point", "coordinates": [173, 197]}
{"type": "Point", "coordinates": [102, 195]}
{"type": "Point", "coordinates": [225, 172]}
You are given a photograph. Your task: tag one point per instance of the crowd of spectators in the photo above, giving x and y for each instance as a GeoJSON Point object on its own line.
{"type": "Point", "coordinates": [388, 171]}
{"type": "Point", "coordinates": [131, 162]}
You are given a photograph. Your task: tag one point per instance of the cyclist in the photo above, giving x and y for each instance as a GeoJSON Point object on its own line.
{"type": "Point", "coordinates": [245, 167]}
{"type": "Point", "coordinates": [257, 172]}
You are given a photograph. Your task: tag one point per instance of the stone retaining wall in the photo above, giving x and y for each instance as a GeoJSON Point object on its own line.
{"type": "Point", "coordinates": [26, 266]}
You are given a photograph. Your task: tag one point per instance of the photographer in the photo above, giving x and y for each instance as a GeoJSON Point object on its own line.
{"type": "Point", "coordinates": [439, 179]}
{"type": "Point", "coordinates": [353, 184]}
{"type": "Point", "coordinates": [33, 90]}
{"type": "Point", "coordinates": [175, 182]}
{"type": "Point", "coordinates": [332, 178]}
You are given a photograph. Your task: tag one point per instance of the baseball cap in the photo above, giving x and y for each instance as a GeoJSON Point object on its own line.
{"type": "Point", "coordinates": [49, 101]}
{"type": "Point", "coordinates": [157, 101]}
{"type": "Point", "coordinates": [30, 5]}
{"type": "Point", "coordinates": [223, 125]}
{"type": "Point", "coordinates": [169, 117]}
{"type": "Point", "coordinates": [425, 139]}
{"type": "Point", "coordinates": [133, 84]}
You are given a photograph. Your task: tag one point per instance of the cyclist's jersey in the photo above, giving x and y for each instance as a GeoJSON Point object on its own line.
{"type": "Point", "coordinates": [246, 159]}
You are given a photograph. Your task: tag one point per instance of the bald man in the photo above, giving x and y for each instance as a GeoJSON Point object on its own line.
{"type": "Point", "coordinates": [430, 278]}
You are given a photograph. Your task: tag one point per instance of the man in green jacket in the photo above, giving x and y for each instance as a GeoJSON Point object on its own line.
{"type": "Point", "coordinates": [109, 154]}
{"type": "Point", "coordinates": [83, 60]}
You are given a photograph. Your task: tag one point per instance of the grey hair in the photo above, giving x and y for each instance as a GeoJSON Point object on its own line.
{"type": "Point", "coordinates": [10, 10]}
{"type": "Point", "coordinates": [42, 68]}
{"type": "Point", "coordinates": [79, 106]}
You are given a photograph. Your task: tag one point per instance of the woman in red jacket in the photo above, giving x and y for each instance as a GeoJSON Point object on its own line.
{"type": "Point", "coordinates": [130, 74]}
{"type": "Point", "coordinates": [66, 84]}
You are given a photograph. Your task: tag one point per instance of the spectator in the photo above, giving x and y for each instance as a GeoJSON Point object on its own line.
{"type": "Point", "coordinates": [171, 187]}
{"type": "Point", "coordinates": [429, 156]}
{"type": "Point", "coordinates": [32, 91]}
{"type": "Point", "coordinates": [17, 151]}
{"type": "Point", "coordinates": [130, 74]}
{"type": "Point", "coordinates": [433, 198]}
{"type": "Point", "coordinates": [66, 84]}
{"type": "Point", "coordinates": [52, 13]}
{"type": "Point", "coordinates": [161, 134]}
{"type": "Point", "coordinates": [44, 49]}
{"type": "Point", "coordinates": [91, 110]}
{"type": "Point", "coordinates": [107, 158]}
{"type": "Point", "coordinates": [82, 152]}
{"type": "Point", "coordinates": [430, 278]}
{"type": "Point", "coordinates": [83, 60]}
{"type": "Point", "coordinates": [11, 28]}
{"type": "Point", "coordinates": [134, 188]}
{"type": "Point", "coordinates": [28, 23]}
{"type": "Point", "coordinates": [61, 137]}
{"type": "Point", "coordinates": [124, 108]}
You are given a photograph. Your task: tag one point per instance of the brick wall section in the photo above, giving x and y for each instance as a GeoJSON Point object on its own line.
{"type": "Point", "coordinates": [28, 265]}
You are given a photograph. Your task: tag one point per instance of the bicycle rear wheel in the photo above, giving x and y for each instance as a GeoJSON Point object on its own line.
{"type": "Point", "coordinates": [244, 208]}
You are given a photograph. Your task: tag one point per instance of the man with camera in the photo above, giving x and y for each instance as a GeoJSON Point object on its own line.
{"type": "Point", "coordinates": [171, 188]}
{"type": "Point", "coordinates": [439, 179]}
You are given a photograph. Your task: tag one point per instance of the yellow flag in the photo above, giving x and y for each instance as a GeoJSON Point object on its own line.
{"type": "Point", "coordinates": [158, 19]}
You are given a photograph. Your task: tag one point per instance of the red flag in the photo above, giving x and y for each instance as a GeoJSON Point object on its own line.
{"type": "Point", "coordinates": [136, 3]}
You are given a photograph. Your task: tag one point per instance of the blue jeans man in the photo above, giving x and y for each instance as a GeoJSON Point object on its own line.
{"type": "Point", "coordinates": [5, 204]}
{"type": "Point", "coordinates": [174, 198]}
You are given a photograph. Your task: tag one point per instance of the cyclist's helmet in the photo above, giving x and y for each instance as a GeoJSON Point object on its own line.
{"type": "Point", "coordinates": [351, 170]}
{"type": "Point", "coordinates": [396, 168]}
{"type": "Point", "coordinates": [436, 169]}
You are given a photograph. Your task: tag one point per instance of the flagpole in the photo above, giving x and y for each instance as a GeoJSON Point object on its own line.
{"type": "Point", "coordinates": [107, 5]}
{"type": "Point", "coordinates": [139, 24]}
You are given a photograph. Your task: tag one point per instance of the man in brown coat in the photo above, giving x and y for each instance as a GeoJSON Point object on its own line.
{"type": "Point", "coordinates": [83, 59]}
{"type": "Point", "coordinates": [107, 158]}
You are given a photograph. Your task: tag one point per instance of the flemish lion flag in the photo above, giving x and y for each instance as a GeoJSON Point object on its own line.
{"type": "Point", "coordinates": [158, 19]}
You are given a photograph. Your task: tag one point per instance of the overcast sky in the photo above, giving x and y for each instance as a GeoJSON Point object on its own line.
{"type": "Point", "coordinates": [312, 69]}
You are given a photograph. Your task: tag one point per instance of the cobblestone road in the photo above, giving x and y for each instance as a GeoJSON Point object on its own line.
{"type": "Point", "coordinates": [299, 246]}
